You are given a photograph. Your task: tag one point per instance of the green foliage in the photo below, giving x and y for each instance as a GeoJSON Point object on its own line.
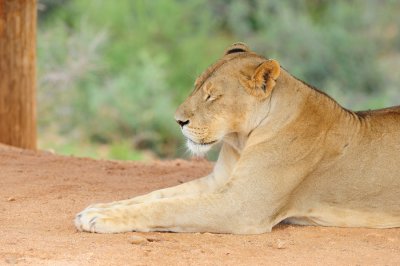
{"type": "Point", "coordinates": [123, 151]}
{"type": "Point", "coordinates": [113, 72]}
{"type": "Point", "coordinates": [116, 151]}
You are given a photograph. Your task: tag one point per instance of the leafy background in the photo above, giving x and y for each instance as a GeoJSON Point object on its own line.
{"type": "Point", "coordinates": [111, 73]}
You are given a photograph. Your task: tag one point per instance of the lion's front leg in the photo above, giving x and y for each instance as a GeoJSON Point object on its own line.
{"type": "Point", "coordinates": [174, 214]}
{"type": "Point", "coordinates": [203, 213]}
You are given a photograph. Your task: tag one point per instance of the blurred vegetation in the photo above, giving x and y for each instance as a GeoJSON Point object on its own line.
{"type": "Point", "coordinates": [111, 73]}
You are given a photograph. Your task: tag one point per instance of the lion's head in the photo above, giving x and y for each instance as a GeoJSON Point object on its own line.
{"type": "Point", "coordinates": [226, 98]}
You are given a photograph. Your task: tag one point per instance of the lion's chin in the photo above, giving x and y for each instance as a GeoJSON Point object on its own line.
{"type": "Point", "coordinates": [198, 149]}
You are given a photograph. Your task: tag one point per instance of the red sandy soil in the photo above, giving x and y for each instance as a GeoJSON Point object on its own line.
{"type": "Point", "coordinates": [41, 193]}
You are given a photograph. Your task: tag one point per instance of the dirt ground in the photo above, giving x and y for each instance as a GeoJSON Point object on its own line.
{"type": "Point", "coordinates": [41, 192]}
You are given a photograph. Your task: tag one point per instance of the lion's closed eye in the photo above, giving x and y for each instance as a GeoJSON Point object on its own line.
{"type": "Point", "coordinates": [209, 93]}
{"type": "Point", "coordinates": [211, 98]}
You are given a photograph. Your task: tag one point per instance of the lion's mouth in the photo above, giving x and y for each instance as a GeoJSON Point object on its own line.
{"type": "Point", "coordinates": [202, 143]}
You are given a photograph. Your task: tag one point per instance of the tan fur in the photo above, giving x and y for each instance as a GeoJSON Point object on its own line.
{"type": "Point", "coordinates": [289, 153]}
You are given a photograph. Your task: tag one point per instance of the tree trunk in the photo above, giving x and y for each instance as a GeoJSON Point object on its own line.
{"type": "Point", "coordinates": [18, 73]}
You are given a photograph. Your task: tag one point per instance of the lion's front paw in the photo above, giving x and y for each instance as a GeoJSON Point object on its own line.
{"type": "Point", "coordinates": [98, 220]}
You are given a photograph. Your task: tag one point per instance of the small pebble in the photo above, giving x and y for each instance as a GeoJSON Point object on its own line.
{"type": "Point", "coordinates": [280, 244]}
{"type": "Point", "coordinates": [135, 239]}
{"type": "Point", "coordinates": [11, 199]}
{"type": "Point", "coordinates": [153, 239]}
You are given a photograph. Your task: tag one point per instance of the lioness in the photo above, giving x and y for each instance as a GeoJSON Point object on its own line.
{"type": "Point", "coordinates": [289, 152]}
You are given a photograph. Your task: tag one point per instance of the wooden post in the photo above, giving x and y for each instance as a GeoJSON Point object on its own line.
{"type": "Point", "coordinates": [18, 73]}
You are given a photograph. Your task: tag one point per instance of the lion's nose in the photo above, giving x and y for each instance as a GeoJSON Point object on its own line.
{"type": "Point", "coordinates": [182, 123]}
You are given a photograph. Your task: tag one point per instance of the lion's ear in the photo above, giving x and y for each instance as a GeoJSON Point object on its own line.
{"type": "Point", "coordinates": [238, 47]}
{"type": "Point", "coordinates": [263, 80]}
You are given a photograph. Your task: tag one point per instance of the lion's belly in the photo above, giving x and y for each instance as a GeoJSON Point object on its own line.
{"type": "Point", "coordinates": [340, 217]}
